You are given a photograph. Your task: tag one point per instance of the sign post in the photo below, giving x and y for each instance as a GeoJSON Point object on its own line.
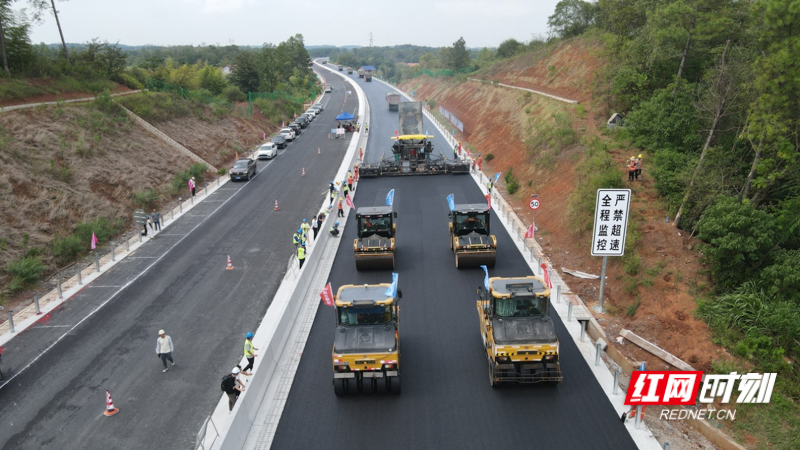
{"type": "Point", "coordinates": [610, 228]}
{"type": "Point", "coordinates": [535, 204]}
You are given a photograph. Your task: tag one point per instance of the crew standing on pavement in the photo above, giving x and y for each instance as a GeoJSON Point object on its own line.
{"type": "Point", "coordinates": [490, 184]}
{"type": "Point", "coordinates": [341, 209]}
{"type": "Point", "coordinates": [164, 349]}
{"type": "Point", "coordinates": [233, 387]}
{"type": "Point", "coordinates": [315, 226]}
{"type": "Point", "coordinates": [333, 197]}
{"type": "Point", "coordinates": [350, 180]}
{"type": "Point", "coordinates": [157, 218]}
{"type": "Point", "coordinates": [305, 227]}
{"type": "Point", "coordinates": [249, 353]}
{"type": "Point", "coordinates": [346, 190]}
{"type": "Point", "coordinates": [355, 171]}
{"type": "Point", "coordinates": [192, 186]}
{"type": "Point", "coordinates": [301, 254]}
{"type": "Point", "coordinates": [297, 237]}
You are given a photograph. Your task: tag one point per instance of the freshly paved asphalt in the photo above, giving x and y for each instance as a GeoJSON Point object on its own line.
{"type": "Point", "coordinates": [178, 282]}
{"type": "Point", "coordinates": [446, 400]}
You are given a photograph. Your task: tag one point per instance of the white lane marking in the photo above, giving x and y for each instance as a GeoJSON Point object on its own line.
{"type": "Point", "coordinates": [102, 286]}
{"type": "Point", "coordinates": [147, 269]}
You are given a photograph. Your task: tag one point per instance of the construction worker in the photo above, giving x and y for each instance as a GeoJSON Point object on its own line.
{"type": "Point", "coordinates": [639, 168]}
{"type": "Point", "coordinates": [305, 227]}
{"type": "Point", "coordinates": [301, 255]}
{"type": "Point", "coordinates": [350, 180]}
{"type": "Point", "coordinates": [333, 196]}
{"type": "Point", "coordinates": [346, 189]}
{"type": "Point", "coordinates": [341, 209]}
{"type": "Point", "coordinates": [367, 127]}
{"type": "Point", "coordinates": [331, 188]}
{"type": "Point", "coordinates": [335, 230]}
{"type": "Point", "coordinates": [490, 184]}
{"type": "Point", "coordinates": [480, 161]}
{"type": "Point", "coordinates": [249, 353]}
{"type": "Point", "coordinates": [297, 237]}
{"type": "Point", "coordinates": [631, 168]}
{"type": "Point", "coordinates": [355, 171]}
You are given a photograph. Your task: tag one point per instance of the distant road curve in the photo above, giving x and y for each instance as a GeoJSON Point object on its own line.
{"type": "Point", "coordinates": [555, 97]}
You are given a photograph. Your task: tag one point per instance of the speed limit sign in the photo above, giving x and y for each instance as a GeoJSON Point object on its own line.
{"type": "Point", "coordinates": [535, 204]}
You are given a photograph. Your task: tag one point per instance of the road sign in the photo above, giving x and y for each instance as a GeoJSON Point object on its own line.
{"type": "Point", "coordinates": [535, 204]}
{"type": "Point", "coordinates": [610, 222]}
{"type": "Point", "coordinates": [139, 216]}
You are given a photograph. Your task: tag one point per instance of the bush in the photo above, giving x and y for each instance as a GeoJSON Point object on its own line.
{"type": "Point", "coordinates": [24, 272]}
{"type": "Point", "coordinates": [597, 171]}
{"type": "Point", "coordinates": [512, 184]}
{"type": "Point", "coordinates": [233, 94]}
{"type": "Point", "coordinates": [782, 279]}
{"type": "Point", "coordinates": [489, 157]}
{"type": "Point", "coordinates": [198, 170]}
{"type": "Point", "coordinates": [739, 238]}
{"type": "Point", "coordinates": [147, 198]}
{"type": "Point", "coordinates": [632, 263]}
{"type": "Point", "coordinates": [68, 248]}
{"type": "Point", "coordinates": [102, 227]}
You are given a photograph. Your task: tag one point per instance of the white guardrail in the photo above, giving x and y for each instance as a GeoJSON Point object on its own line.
{"type": "Point", "coordinates": [229, 430]}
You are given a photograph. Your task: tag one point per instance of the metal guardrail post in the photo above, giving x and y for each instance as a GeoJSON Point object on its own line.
{"type": "Point", "coordinates": [539, 266]}
{"type": "Point", "coordinates": [58, 286]}
{"type": "Point", "coordinates": [615, 391]}
{"type": "Point", "coordinates": [558, 294]}
{"type": "Point", "coordinates": [205, 189]}
{"type": "Point", "coordinates": [569, 312]}
{"type": "Point", "coordinates": [180, 202]}
{"type": "Point", "coordinates": [78, 272]}
{"type": "Point", "coordinates": [191, 199]}
{"type": "Point", "coordinates": [97, 261]}
{"type": "Point", "coordinates": [127, 243]}
{"type": "Point", "coordinates": [140, 236]}
{"type": "Point", "coordinates": [113, 253]}
{"type": "Point", "coordinates": [597, 358]}
{"type": "Point", "coordinates": [583, 330]}
{"type": "Point", "coordinates": [36, 304]}
{"type": "Point", "coordinates": [638, 421]}
{"type": "Point", "coordinates": [11, 320]}
{"type": "Point", "coordinates": [666, 445]}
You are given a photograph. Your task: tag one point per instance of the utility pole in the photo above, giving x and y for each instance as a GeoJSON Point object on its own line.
{"type": "Point", "coordinates": [370, 38]}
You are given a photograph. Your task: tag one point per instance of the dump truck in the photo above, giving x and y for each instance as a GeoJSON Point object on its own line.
{"type": "Point", "coordinates": [470, 237]}
{"type": "Point", "coordinates": [366, 344]}
{"type": "Point", "coordinates": [393, 100]}
{"type": "Point", "coordinates": [518, 335]}
{"type": "Point", "coordinates": [374, 247]}
{"type": "Point", "coordinates": [349, 70]}
{"type": "Point", "coordinates": [360, 73]}
{"type": "Point", "coordinates": [368, 76]}
{"type": "Point", "coordinates": [340, 68]}
{"type": "Point", "coordinates": [412, 150]}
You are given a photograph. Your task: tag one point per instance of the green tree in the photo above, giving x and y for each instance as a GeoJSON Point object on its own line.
{"type": "Point", "coordinates": [508, 48]}
{"type": "Point", "coordinates": [571, 18]}
{"type": "Point", "coordinates": [245, 73]}
{"type": "Point", "coordinates": [456, 57]}
{"type": "Point", "coordinates": [42, 6]}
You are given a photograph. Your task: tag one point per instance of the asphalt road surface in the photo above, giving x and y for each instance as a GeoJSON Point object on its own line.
{"type": "Point", "coordinates": [177, 282]}
{"type": "Point", "coordinates": [446, 400]}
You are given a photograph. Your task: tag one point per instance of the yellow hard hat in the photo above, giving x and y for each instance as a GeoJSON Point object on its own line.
{"type": "Point", "coordinates": [633, 157]}
{"type": "Point", "coordinates": [640, 156]}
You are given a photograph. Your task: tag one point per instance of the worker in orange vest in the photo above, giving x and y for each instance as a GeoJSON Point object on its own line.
{"type": "Point", "coordinates": [341, 209]}
{"type": "Point", "coordinates": [355, 171]}
{"type": "Point", "coordinates": [350, 181]}
{"type": "Point", "coordinates": [631, 168]}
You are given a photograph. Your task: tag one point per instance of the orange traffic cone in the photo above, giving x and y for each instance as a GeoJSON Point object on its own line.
{"type": "Point", "coordinates": [276, 206]}
{"type": "Point", "coordinates": [110, 409]}
{"type": "Point", "coordinates": [230, 266]}
{"type": "Point", "coordinates": [304, 171]}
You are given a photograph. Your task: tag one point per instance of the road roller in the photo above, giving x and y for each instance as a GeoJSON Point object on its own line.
{"type": "Point", "coordinates": [374, 247]}
{"type": "Point", "coordinates": [470, 238]}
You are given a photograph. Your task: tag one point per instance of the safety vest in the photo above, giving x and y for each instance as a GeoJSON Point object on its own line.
{"type": "Point", "coordinates": [340, 204]}
{"type": "Point", "coordinates": [632, 166]}
{"type": "Point", "coordinates": [350, 179]}
{"type": "Point", "coordinates": [489, 184]}
{"type": "Point", "coordinates": [305, 226]}
{"type": "Point", "coordinates": [248, 349]}
{"type": "Point", "coordinates": [301, 253]}
{"type": "Point", "coordinates": [296, 239]}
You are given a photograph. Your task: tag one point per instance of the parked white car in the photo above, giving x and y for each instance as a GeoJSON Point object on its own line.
{"type": "Point", "coordinates": [312, 113]}
{"type": "Point", "coordinates": [288, 133]}
{"type": "Point", "coordinates": [267, 151]}
{"type": "Point", "coordinates": [328, 88]}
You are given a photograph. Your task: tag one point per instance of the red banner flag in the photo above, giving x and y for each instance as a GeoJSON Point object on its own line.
{"type": "Point", "coordinates": [546, 276]}
{"type": "Point", "coordinates": [327, 295]}
{"type": "Point", "coordinates": [94, 241]}
{"type": "Point", "coordinates": [350, 202]}
{"type": "Point", "coordinates": [529, 233]}
{"type": "Point", "coordinates": [489, 200]}
{"type": "Point", "coordinates": [283, 125]}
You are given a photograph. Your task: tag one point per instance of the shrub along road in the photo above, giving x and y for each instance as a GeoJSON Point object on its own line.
{"type": "Point", "coordinates": [177, 282]}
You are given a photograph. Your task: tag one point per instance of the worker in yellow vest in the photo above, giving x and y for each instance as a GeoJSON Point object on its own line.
{"type": "Point", "coordinates": [301, 254]}
{"type": "Point", "coordinates": [249, 353]}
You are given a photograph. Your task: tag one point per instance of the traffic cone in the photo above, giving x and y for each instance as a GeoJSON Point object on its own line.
{"type": "Point", "coordinates": [319, 151]}
{"type": "Point", "coordinates": [276, 206]}
{"type": "Point", "coordinates": [110, 409]}
{"type": "Point", "coordinates": [304, 171]}
{"type": "Point", "coordinates": [230, 266]}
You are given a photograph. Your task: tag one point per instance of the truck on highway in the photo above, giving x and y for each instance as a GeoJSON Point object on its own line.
{"type": "Point", "coordinates": [361, 73]}
{"type": "Point", "coordinates": [350, 70]}
{"type": "Point", "coordinates": [393, 100]}
{"type": "Point", "coordinates": [470, 237]}
{"type": "Point", "coordinates": [374, 246]}
{"type": "Point", "coordinates": [412, 150]}
{"type": "Point", "coordinates": [366, 344]}
{"type": "Point", "coordinates": [367, 76]}
{"type": "Point", "coordinates": [519, 338]}
{"type": "Point", "coordinates": [340, 68]}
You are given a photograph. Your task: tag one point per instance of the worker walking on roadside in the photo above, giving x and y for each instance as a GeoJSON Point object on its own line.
{"type": "Point", "coordinates": [350, 180]}
{"type": "Point", "coordinates": [301, 254]}
{"type": "Point", "coordinates": [631, 168]}
{"type": "Point", "coordinates": [341, 209]}
{"type": "Point", "coordinates": [249, 353]}
{"type": "Point", "coordinates": [639, 168]}
{"type": "Point", "coordinates": [192, 186]}
{"type": "Point", "coordinates": [164, 349]}
{"type": "Point", "coordinates": [232, 387]}
{"type": "Point", "coordinates": [333, 196]}
{"type": "Point", "coordinates": [355, 171]}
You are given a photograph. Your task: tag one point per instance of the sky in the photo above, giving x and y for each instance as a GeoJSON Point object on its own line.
{"type": "Point", "coordinates": [434, 23]}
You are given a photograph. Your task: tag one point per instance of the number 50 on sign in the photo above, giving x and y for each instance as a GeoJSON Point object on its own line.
{"type": "Point", "coordinates": [610, 222]}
